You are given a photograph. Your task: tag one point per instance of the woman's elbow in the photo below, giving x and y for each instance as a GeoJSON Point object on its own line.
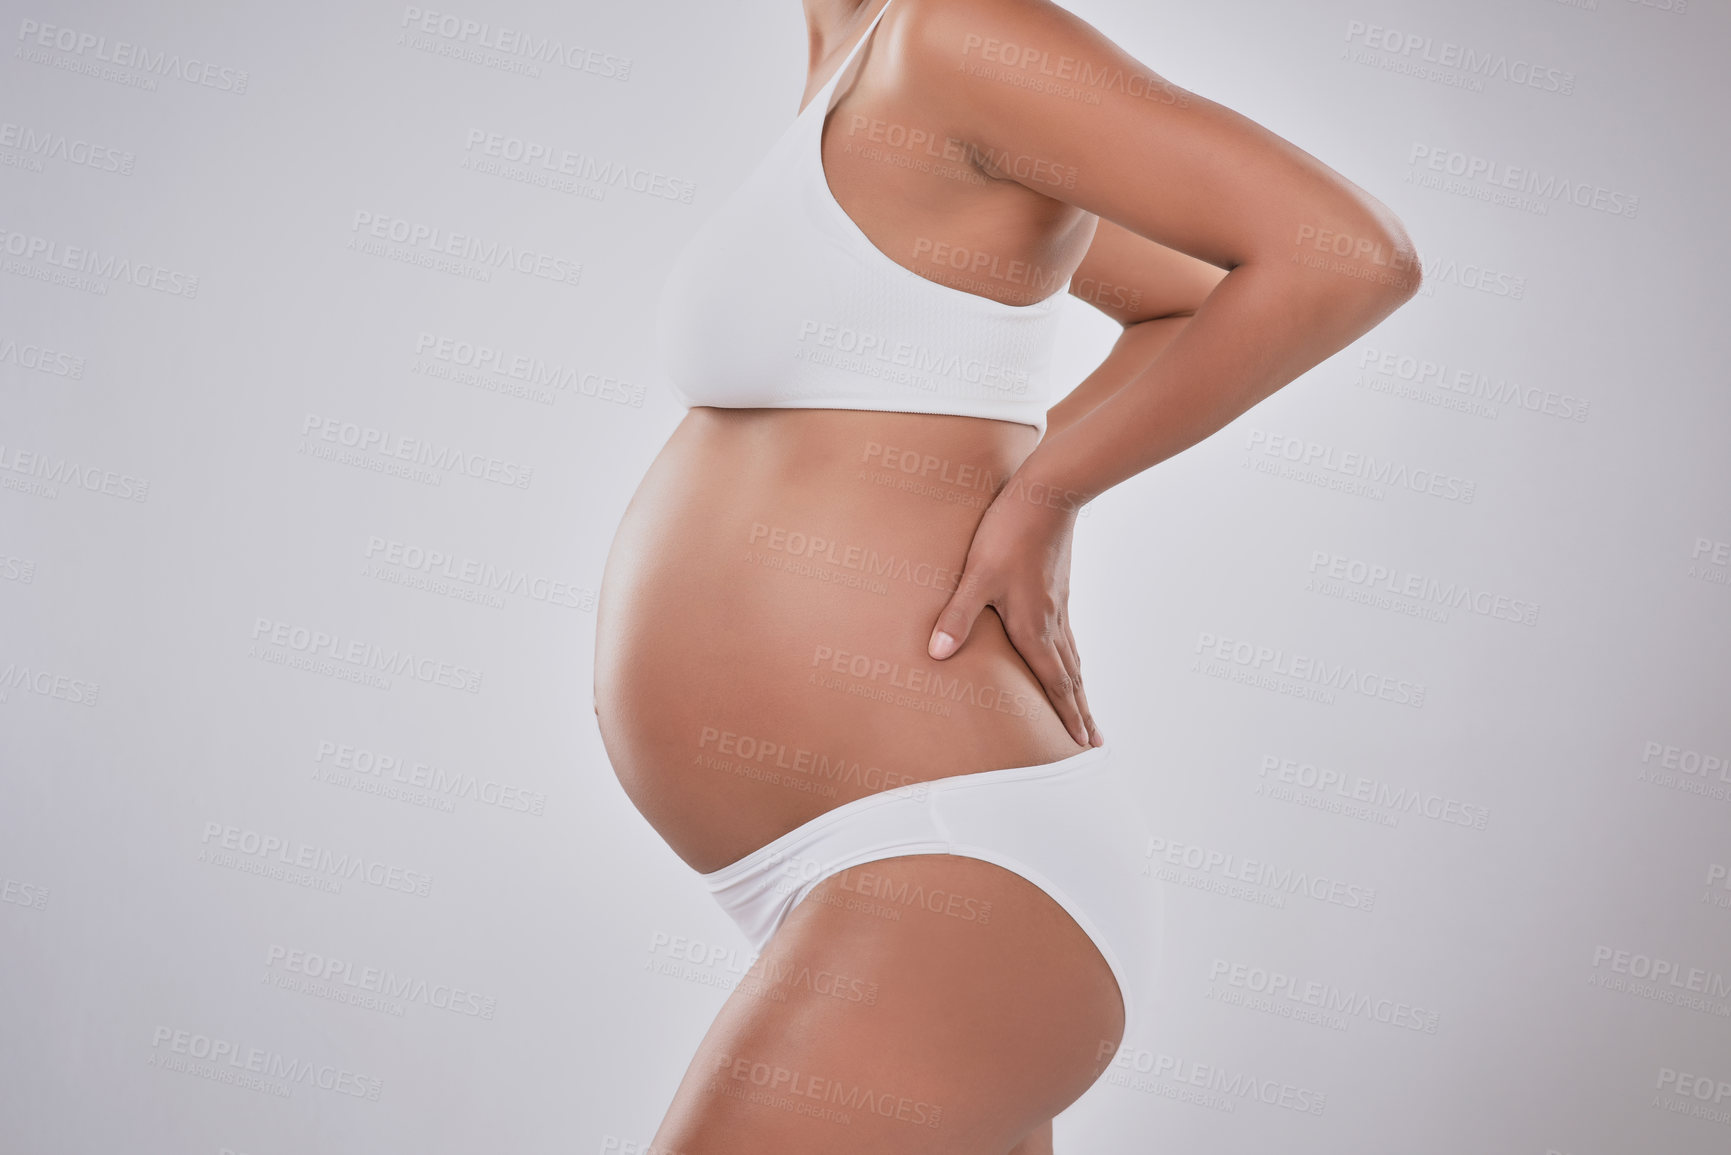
{"type": "Point", "coordinates": [1387, 258]}
{"type": "Point", "coordinates": [1405, 271]}
{"type": "Point", "coordinates": [1362, 260]}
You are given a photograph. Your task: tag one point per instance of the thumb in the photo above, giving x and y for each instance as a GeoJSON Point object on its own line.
{"type": "Point", "coordinates": [957, 619]}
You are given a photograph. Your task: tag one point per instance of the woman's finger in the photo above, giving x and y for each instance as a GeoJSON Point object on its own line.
{"type": "Point", "coordinates": [956, 620]}
{"type": "Point", "coordinates": [1073, 663]}
{"type": "Point", "coordinates": [1040, 651]}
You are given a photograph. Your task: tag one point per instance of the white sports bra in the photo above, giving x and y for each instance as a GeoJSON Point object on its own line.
{"type": "Point", "coordinates": [780, 301]}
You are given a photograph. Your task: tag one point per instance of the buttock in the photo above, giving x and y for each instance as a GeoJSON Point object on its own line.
{"type": "Point", "coordinates": [1072, 827]}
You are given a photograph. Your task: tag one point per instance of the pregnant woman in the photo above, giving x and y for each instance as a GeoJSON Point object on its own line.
{"type": "Point", "coordinates": [834, 664]}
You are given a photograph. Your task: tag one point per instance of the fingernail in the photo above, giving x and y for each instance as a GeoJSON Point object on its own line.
{"type": "Point", "coordinates": [942, 645]}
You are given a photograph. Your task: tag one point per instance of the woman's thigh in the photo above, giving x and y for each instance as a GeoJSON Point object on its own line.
{"type": "Point", "coordinates": [920, 1004]}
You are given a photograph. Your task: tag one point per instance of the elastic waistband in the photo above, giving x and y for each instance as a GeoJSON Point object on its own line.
{"type": "Point", "coordinates": [914, 793]}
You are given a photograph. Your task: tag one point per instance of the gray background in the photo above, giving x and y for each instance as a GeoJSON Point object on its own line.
{"type": "Point", "coordinates": [260, 900]}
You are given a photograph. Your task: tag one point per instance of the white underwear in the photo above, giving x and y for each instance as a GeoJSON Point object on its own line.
{"type": "Point", "coordinates": [1071, 827]}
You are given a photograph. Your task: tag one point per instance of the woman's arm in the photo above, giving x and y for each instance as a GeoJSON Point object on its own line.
{"type": "Point", "coordinates": [1150, 290]}
{"type": "Point", "coordinates": [1312, 263]}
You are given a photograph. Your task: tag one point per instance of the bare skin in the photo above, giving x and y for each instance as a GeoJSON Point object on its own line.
{"type": "Point", "coordinates": [747, 582]}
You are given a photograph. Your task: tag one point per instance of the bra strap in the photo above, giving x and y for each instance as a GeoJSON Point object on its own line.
{"type": "Point", "coordinates": [823, 93]}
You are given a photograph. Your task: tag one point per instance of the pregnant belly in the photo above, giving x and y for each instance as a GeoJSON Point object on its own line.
{"type": "Point", "coordinates": [763, 619]}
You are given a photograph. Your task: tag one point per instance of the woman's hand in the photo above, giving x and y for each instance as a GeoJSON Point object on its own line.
{"type": "Point", "coordinates": [1019, 564]}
